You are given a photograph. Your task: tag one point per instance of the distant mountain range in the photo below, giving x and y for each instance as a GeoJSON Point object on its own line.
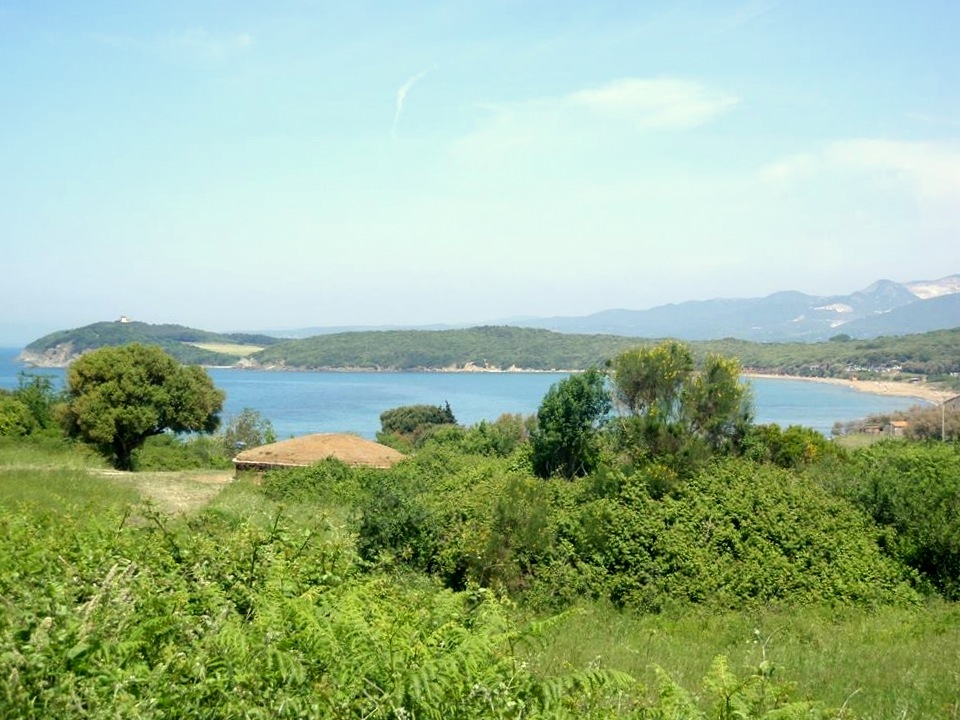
{"type": "Point", "coordinates": [884, 308]}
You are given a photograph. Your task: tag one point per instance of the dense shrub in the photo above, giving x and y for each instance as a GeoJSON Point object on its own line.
{"type": "Point", "coordinates": [170, 452]}
{"type": "Point", "coordinates": [912, 490]}
{"type": "Point", "coordinates": [397, 520]}
{"type": "Point", "coordinates": [16, 419]}
{"type": "Point", "coordinates": [500, 437]}
{"type": "Point", "coordinates": [329, 480]}
{"type": "Point", "coordinates": [29, 409]}
{"type": "Point", "coordinates": [733, 535]}
{"type": "Point", "coordinates": [409, 426]}
{"type": "Point", "coordinates": [797, 446]}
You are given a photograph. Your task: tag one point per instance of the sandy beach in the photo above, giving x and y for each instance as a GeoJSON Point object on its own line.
{"type": "Point", "coordinates": [921, 391]}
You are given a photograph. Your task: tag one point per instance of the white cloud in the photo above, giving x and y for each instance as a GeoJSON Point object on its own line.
{"type": "Point", "coordinates": [617, 108]}
{"type": "Point", "coordinates": [654, 103]}
{"type": "Point", "coordinates": [201, 43]}
{"type": "Point", "coordinates": [790, 168]}
{"type": "Point", "coordinates": [932, 169]}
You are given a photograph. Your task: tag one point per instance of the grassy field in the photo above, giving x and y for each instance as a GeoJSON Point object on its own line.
{"type": "Point", "coordinates": [235, 349]}
{"type": "Point", "coordinates": [854, 441]}
{"type": "Point", "coordinates": [876, 663]}
{"type": "Point", "coordinates": [881, 663]}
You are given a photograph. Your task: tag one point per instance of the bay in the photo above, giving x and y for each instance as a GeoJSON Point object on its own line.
{"type": "Point", "coordinates": [299, 403]}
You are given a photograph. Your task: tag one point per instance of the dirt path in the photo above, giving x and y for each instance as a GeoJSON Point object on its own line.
{"type": "Point", "coordinates": [175, 492]}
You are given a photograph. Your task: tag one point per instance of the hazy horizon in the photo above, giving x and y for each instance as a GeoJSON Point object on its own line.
{"type": "Point", "coordinates": [299, 331]}
{"type": "Point", "coordinates": [319, 164]}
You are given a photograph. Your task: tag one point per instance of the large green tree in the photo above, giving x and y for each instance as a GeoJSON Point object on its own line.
{"type": "Point", "coordinates": [117, 397]}
{"type": "Point", "coordinates": [566, 440]}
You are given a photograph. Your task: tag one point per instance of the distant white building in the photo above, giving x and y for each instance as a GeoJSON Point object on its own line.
{"type": "Point", "coordinates": [123, 319]}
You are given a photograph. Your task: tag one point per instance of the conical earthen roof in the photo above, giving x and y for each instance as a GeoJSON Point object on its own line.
{"type": "Point", "coordinates": [310, 449]}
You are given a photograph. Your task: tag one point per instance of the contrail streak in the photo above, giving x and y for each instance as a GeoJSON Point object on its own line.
{"type": "Point", "coordinates": [402, 96]}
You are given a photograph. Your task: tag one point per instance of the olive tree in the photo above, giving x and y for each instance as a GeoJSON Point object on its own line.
{"type": "Point", "coordinates": [117, 397]}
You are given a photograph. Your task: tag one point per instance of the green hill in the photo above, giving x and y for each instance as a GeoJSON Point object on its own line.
{"type": "Point", "coordinates": [491, 348]}
{"type": "Point", "coordinates": [498, 348]}
{"type": "Point", "coordinates": [936, 354]}
{"type": "Point", "coordinates": [188, 345]}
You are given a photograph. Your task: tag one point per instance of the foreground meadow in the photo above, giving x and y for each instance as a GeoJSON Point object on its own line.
{"type": "Point", "coordinates": [285, 600]}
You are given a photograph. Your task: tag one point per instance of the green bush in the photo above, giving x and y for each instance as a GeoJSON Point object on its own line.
{"type": "Point", "coordinates": [409, 426]}
{"type": "Point", "coordinates": [29, 409]}
{"type": "Point", "coordinates": [734, 535]}
{"type": "Point", "coordinates": [170, 452]}
{"type": "Point", "coordinates": [329, 480]}
{"type": "Point", "coordinates": [794, 447]}
{"type": "Point", "coordinates": [913, 491]}
{"type": "Point", "coordinates": [464, 518]}
{"type": "Point", "coordinates": [245, 431]}
{"type": "Point", "coordinates": [16, 420]}
{"type": "Point", "coordinates": [500, 437]}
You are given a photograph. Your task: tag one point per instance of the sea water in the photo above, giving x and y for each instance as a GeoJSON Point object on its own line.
{"type": "Point", "coordinates": [299, 403]}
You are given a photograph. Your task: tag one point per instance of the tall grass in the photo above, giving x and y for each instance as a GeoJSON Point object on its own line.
{"type": "Point", "coordinates": [878, 663]}
{"type": "Point", "coordinates": [46, 452]}
{"type": "Point", "coordinates": [61, 489]}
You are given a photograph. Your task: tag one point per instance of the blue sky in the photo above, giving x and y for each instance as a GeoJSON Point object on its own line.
{"type": "Point", "coordinates": [240, 166]}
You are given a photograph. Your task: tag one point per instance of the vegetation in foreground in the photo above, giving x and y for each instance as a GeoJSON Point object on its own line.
{"type": "Point", "coordinates": [670, 560]}
{"type": "Point", "coordinates": [262, 604]}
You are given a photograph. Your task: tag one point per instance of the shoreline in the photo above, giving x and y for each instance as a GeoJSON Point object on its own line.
{"type": "Point", "coordinates": [918, 391]}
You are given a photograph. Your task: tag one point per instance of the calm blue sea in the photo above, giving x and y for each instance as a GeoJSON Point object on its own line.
{"type": "Point", "coordinates": [299, 403]}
